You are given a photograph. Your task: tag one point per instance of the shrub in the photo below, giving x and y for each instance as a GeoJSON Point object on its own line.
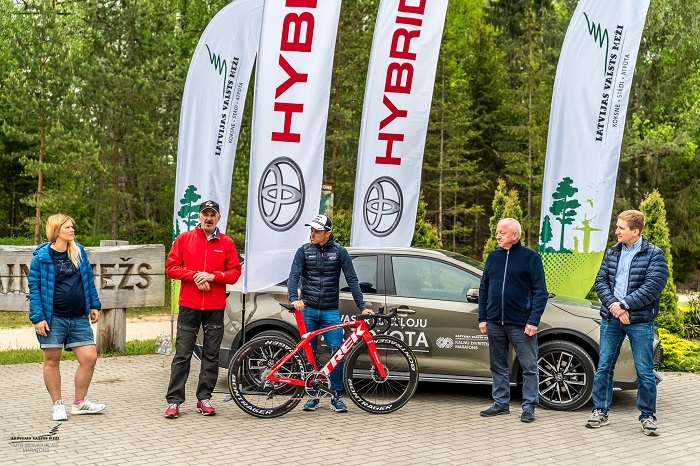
{"type": "Point", "coordinates": [691, 318]}
{"type": "Point", "coordinates": [656, 231]}
{"type": "Point", "coordinates": [679, 354]}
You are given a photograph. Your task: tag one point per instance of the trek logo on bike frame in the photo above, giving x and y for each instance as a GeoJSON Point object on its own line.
{"type": "Point", "coordinates": [344, 349]}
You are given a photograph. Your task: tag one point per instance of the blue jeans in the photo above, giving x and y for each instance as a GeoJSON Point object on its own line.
{"type": "Point", "coordinates": [316, 319]}
{"type": "Point", "coordinates": [526, 350]}
{"type": "Point", "coordinates": [641, 337]}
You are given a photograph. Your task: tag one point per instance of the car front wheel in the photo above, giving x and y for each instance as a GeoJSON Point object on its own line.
{"type": "Point", "coordinates": [566, 375]}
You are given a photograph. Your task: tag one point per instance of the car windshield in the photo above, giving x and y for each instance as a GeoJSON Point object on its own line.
{"type": "Point", "coordinates": [463, 258]}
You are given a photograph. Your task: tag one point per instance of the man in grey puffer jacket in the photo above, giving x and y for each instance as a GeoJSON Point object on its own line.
{"type": "Point", "coordinates": [629, 285]}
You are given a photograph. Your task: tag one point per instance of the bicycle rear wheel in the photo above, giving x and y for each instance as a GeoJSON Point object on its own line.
{"type": "Point", "coordinates": [368, 390]}
{"type": "Point", "coordinates": [247, 374]}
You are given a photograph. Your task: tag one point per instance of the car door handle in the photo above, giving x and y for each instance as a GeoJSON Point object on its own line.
{"type": "Point", "coordinates": [405, 310]}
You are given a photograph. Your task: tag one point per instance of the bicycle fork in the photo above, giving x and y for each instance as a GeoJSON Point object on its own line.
{"type": "Point", "coordinates": [360, 332]}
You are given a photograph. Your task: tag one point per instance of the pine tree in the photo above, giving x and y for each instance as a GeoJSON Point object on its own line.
{"type": "Point", "coordinates": [506, 204]}
{"type": "Point", "coordinates": [342, 221]}
{"type": "Point", "coordinates": [512, 209]}
{"type": "Point", "coordinates": [498, 208]}
{"type": "Point", "coordinates": [656, 231]}
{"type": "Point", "coordinates": [425, 235]}
{"type": "Point", "coordinates": [189, 210]}
{"type": "Point", "coordinates": [38, 95]}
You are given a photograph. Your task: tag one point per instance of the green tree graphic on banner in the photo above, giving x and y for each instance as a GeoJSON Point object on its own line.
{"type": "Point", "coordinates": [189, 211]}
{"type": "Point", "coordinates": [545, 235]}
{"type": "Point", "coordinates": [569, 271]}
{"type": "Point", "coordinates": [563, 207]}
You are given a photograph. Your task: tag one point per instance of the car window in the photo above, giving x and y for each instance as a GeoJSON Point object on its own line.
{"type": "Point", "coordinates": [417, 277]}
{"type": "Point", "coordinates": [366, 270]}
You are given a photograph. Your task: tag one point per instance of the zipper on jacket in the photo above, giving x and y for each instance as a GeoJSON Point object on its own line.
{"type": "Point", "coordinates": [503, 290]}
{"type": "Point", "coordinates": [321, 267]}
{"type": "Point", "coordinates": [204, 266]}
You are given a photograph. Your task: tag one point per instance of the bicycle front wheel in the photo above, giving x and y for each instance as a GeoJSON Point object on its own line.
{"type": "Point", "coordinates": [376, 394]}
{"type": "Point", "coordinates": [247, 377]}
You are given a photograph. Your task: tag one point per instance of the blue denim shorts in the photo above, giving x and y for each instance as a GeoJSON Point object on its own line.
{"type": "Point", "coordinates": [67, 333]}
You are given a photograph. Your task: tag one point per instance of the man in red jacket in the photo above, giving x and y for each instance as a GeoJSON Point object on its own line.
{"type": "Point", "coordinates": [205, 261]}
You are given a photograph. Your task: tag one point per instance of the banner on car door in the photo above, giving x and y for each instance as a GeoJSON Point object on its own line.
{"type": "Point", "coordinates": [587, 119]}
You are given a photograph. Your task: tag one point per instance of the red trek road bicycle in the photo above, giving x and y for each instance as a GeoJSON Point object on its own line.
{"type": "Point", "coordinates": [268, 376]}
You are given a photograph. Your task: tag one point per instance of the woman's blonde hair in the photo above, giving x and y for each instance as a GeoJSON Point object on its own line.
{"type": "Point", "coordinates": [53, 227]}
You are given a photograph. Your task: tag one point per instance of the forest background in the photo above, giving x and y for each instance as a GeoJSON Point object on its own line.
{"type": "Point", "coordinates": [90, 94]}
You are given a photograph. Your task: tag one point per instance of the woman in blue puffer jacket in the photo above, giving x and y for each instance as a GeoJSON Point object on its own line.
{"type": "Point", "coordinates": [63, 302]}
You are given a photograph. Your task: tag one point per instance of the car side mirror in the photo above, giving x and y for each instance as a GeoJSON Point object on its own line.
{"type": "Point", "coordinates": [367, 287]}
{"type": "Point", "coordinates": [473, 295]}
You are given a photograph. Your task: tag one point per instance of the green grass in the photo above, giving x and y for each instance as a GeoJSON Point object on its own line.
{"type": "Point", "coordinates": [14, 319]}
{"type": "Point", "coordinates": [24, 356]}
{"type": "Point", "coordinates": [19, 319]}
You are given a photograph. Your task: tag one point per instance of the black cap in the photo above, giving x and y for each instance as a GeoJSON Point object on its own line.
{"type": "Point", "coordinates": [321, 222]}
{"type": "Point", "coordinates": [209, 205]}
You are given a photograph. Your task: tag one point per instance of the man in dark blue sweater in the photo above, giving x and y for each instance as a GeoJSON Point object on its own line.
{"type": "Point", "coordinates": [316, 267]}
{"type": "Point", "coordinates": [512, 298]}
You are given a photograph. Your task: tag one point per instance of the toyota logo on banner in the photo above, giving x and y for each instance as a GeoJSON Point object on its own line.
{"type": "Point", "coordinates": [281, 194]}
{"type": "Point", "coordinates": [383, 206]}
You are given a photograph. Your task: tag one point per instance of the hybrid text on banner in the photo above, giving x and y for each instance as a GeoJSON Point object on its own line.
{"type": "Point", "coordinates": [398, 95]}
{"type": "Point", "coordinates": [292, 89]}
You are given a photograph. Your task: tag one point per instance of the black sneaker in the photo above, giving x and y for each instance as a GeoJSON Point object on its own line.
{"type": "Point", "coordinates": [494, 410]}
{"type": "Point", "coordinates": [527, 416]}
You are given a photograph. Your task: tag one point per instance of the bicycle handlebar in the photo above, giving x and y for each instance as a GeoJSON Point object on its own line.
{"type": "Point", "coordinates": [375, 317]}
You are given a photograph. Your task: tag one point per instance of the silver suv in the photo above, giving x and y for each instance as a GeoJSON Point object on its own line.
{"type": "Point", "coordinates": [436, 293]}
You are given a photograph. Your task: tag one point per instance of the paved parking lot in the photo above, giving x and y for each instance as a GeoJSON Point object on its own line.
{"type": "Point", "coordinates": [440, 425]}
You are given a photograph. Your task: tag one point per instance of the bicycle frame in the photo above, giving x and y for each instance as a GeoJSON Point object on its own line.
{"type": "Point", "coordinates": [265, 386]}
{"type": "Point", "coordinates": [361, 332]}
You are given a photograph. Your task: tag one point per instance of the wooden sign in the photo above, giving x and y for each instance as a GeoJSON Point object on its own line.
{"type": "Point", "coordinates": [125, 276]}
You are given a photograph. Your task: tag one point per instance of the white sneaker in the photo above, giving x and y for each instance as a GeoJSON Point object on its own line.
{"type": "Point", "coordinates": [87, 407]}
{"type": "Point", "coordinates": [59, 411]}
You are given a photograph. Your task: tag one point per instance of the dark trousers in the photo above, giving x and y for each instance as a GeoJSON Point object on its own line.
{"type": "Point", "coordinates": [526, 351]}
{"type": "Point", "coordinates": [188, 323]}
